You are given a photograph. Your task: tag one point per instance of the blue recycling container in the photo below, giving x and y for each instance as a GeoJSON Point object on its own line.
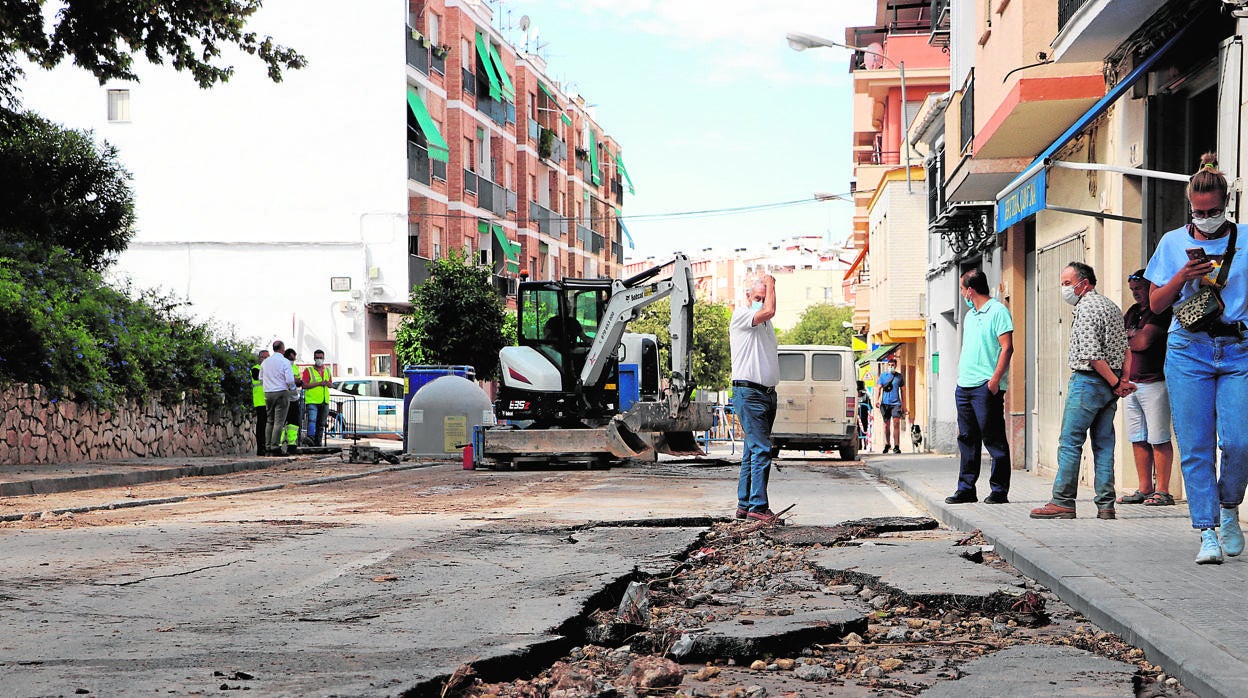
{"type": "Point", "coordinates": [417, 377]}
{"type": "Point", "coordinates": [630, 388]}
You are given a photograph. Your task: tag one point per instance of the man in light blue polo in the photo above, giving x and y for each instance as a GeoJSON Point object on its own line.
{"type": "Point", "coordinates": [987, 346]}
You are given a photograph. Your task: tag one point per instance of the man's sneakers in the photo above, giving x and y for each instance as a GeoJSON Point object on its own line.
{"type": "Point", "coordinates": [1210, 551]}
{"type": "Point", "coordinates": [997, 498]}
{"type": "Point", "coordinates": [741, 513]}
{"type": "Point", "coordinates": [1053, 511]}
{"type": "Point", "coordinates": [888, 448]}
{"type": "Point", "coordinates": [1232, 536]}
{"type": "Point", "coordinates": [961, 497]}
{"type": "Point", "coordinates": [766, 516]}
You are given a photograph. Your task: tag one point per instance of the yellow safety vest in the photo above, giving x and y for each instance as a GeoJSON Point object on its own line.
{"type": "Point", "coordinates": [317, 396]}
{"type": "Point", "coordinates": [257, 388]}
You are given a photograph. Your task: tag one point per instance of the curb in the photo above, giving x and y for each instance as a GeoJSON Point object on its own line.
{"type": "Point", "coordinates": [94, 481]}
{"type": "Point", "coordinates": [1196, 662]}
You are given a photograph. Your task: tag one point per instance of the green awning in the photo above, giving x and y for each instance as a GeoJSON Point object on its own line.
{"type": "Point", "coordinates": [438, 149]}
{"type": "Point", "coordinates": [511, 250]}
{"type": "Point", "coordinates": [509, 90]}
{"type": "Point", "coordinates": [549, 95]}
{"type": "Point", "coordinates": [619, 163]}
{"type": "Point", "coordinates": [487, 64]}
{"type": "Point", "coordinates": [878, 354]}
{"type": "Point", "coordinates": [593, 158]}
{"type": "Point", "coordinates": [566, 119]}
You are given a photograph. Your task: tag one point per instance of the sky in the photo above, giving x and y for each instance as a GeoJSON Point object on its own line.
{"type": "Point", "coordinates": [712, 110]}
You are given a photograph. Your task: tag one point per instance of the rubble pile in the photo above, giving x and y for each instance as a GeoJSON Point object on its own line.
{"type": "Point", "coordinates": [748, 615]}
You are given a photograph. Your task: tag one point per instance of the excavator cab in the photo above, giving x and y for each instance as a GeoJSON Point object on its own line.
{"type": "Point", "coordinates": [559, 320]}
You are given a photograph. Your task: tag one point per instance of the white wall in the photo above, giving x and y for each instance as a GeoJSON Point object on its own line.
{"type": "Point", "coordinates": [314, 165]}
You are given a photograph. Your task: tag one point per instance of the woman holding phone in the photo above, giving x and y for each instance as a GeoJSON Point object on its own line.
{"type": "Point", "coordinates": [1208, 367]}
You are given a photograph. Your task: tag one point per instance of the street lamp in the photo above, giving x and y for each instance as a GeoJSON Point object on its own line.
{"type": "Point", "coordinates": [800, 42]}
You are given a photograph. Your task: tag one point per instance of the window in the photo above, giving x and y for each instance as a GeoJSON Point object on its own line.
{"type": "Point", "coordinates": [437, 242]}
{"type": "Point", "coordinates": [825, 367]}
{"type": "Point", "coordinates": [469, 161]}
{"type": "Point", "coordinates": [119, 105]}
{"type": "Point", "coordinates": [435, 31]}
{"type": "Point", "coordinates": [792, 367]}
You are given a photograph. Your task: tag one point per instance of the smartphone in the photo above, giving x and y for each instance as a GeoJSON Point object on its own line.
{"type": "Point", "coordinates": [1197, 254]}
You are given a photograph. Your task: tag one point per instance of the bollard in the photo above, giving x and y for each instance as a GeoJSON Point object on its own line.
{"type": "Point", "coordinates": [468, 456]}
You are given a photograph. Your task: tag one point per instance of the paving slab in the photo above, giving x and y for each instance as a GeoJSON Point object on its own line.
{"type": "Point", "coordinates": [751, 638]}
{"type": "Point", "coordinates": [1028, 671]}
{"type": "Point", "coordinates": [1134, 576]}
{"type": "Point", "coordinates": [929, 572]}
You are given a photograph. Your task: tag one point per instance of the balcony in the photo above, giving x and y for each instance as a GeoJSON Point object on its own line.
{"type": "Point", "coordinates": [418, 56]}
{"type": "Point", "coordinates": [877, 157]}
{"type": "Point", "coordinates": [551, 147]}
{"type": "Point", "coordinates": [504, 285]}
{"type": "Point", "coordinates": [598, 242]}
{"type": "Point", "coordinates": [1088, 30]}
{"type": "Point", "coordinates": [493, 197]}
{"type": "Point", "coordinates": [617, 189]}
{"type": "Point", "coordinates": [470, 182]}
{"type": "Point", "coordinates": [617, 252]}
{"type": "Point", "coordinates": [417, 270]}
{"type": "Point", "coordinates": [422, 168]}
{"type": "Point", "coordinates": [535, 131]}
{"type": "Point", "coordinates": [470, 82]}
{"type": "Point", "coordinates": [584, 236]}
{"type": "Point", "coordinates": [548, 221]}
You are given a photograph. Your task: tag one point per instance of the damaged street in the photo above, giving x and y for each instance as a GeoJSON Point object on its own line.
{"type": "Point", "coordinates": [318, 577]}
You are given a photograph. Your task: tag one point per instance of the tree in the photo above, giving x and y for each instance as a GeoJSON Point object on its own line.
{"type": "Point", "coordinates": [712, 367]}
{"type": "Point", "coordinates": [822, 324]}
{"type": "Point", "coordinates": [457, 318]}
{"type": "Point", "coordinates": [57, 189]}
{"type": "Point", "coordinates": [101, 36]}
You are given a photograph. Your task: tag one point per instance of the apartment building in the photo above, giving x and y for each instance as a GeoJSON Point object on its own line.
{"type": "Point", "coordinates": [895, 70]}
{"type": "Point", "coordinates": [1069, 136]}
{"type": "Point", "coordinates": [307, 210]}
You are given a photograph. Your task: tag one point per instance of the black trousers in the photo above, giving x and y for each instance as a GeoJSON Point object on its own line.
{"type": "Point", "coordinates": [262, 418]}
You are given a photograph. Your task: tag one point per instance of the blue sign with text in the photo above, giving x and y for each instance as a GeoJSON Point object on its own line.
{"type": "Point", "coordinates": [1023, 202]}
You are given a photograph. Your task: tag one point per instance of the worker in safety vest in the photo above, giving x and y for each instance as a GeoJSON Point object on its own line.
{"type": "Point", "coordinates": [257, 402]}
{"type": "Point", "coordinates": [316, 381]}
{"type": "Point", "coordinates": [290, 435]}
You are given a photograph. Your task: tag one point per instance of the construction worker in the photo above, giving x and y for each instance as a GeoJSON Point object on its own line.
{"type": "Point", "coordinates": [290, 434]}
{"type": "Point", "coordinates": [316, 381]}
{"type": "Point", "coordinates": [257, 402]}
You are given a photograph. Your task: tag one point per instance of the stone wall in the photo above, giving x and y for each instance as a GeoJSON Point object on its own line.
{"type": "Point", "coordinates": [38, 428]}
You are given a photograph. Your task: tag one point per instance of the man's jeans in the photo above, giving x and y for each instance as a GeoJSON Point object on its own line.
{"type": "Point", "coordinates": [1089, 411]}
{"type": "Point", "coordinates": [317, 415]}
{"type": "Point", "coordinates": [1208, 382]}
{"type": "Point", "coordinates": [756, 410]}
{"type": "Point", "coordinates": [981, 424]}
{"type": "Point", "coordinates": [278, 405]}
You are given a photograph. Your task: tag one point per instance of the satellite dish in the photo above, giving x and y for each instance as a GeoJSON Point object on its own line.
{"type": "Point", "coordinates": [524, 22]}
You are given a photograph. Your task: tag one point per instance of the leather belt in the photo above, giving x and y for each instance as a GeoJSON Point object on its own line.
{"type": "Point", "coordinates": [1227, 329]}
{"type": "Point", "coordinates": [752, 384]}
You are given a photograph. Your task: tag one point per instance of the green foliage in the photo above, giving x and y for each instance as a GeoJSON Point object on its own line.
{"type": "Point", "coordinates": [458, 318]}
{"type": "Point", "coordinates": [69, 331]}
{"type": "Point", "coordinates": [101, 37]}
{"type": "Point", "coordinates": [821, 324]}
{"type": "Point", "coordinates": [712, 362]}
{"type": "Point", "coordinates": [58, 190]}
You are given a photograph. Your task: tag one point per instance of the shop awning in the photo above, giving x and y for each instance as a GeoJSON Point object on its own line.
{"type": "Point", "coordinates": [878, 354]}
{"type": "Point", "coordinates": [619, 163]}
{"type": "Point", "coordinates": [487, 65]}
{"type": "Point", "coordinates": [593, 158]}
{"type": "Point", "coordinates": [509, 90]}
{"type": "Point", "coordinates": [1027, 194]}
{"type": "Point", "coordinates": [511, 250]}
{"type": "Point", "coordinates": [438, 150]}
{"type": "Point", "coordinates": [619, 219]}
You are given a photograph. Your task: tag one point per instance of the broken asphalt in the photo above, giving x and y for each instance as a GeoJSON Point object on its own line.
{"type": "Point", "coordinates": [1133, 576]}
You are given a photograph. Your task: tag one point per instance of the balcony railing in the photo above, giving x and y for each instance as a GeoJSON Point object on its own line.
{"type": "Point", "coordinates": [617, 251]}
{"type": "Point", "coordinates": [438, 65]}
{"type": "Point", "coordinates": [551, 147]}
{"type": "Point", "coordinates": [470, 82]}
{"type": "Point", "coordinates": [1067, 9]}
{"type": "Point", "coordinates": [504, 285]}
{"type": "Point", "coordinates": [417, 55]}
{"type": "Point", "coordinates": [470, 182]}
{"type": "Point", "coordinates": [878, 157]}
{"type": "Point", "coordinates": [535, 131]}
{"type": "Point", "coordinates": [599, 242]}
{"type": "Point", "coordinates": [548, 221]}
{"type": "Point", "coordinates": [418, 163]}
{"type": "Point", "coordinates": [585, 237]}
{"type": "Point", "coordinates": [494, 197]}
{"type": "Point", "coordinates": [967, 115]}
{"type": "Point", "coordinates": [417, 270]}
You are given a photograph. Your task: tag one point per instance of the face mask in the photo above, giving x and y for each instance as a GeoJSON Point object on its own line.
{"type": "Point", "coordinates": [756, 306]}
{"type": "Point", "coordinates": [969, 303]}
{"type": "Point", "coordinates": [1209, 225]}
{"type": "Point", "coordinates": [320, 363]}
{"type": "Point", "coordinates": [1069, 295]}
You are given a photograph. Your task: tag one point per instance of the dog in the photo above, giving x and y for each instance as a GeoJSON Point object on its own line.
{"type": "Point", "coordinates": [916, 438]}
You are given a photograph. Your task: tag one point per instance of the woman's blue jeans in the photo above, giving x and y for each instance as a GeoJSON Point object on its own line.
{"type": "Point", "coordinates": [1208, 382]}
{"type": "Point", "coordinates": [1089, 412]}
{"type": "Point", "coordinates": [756, 410]}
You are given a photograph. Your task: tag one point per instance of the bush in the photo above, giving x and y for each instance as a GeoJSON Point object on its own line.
{"type": "Point", "coordinates": [68, 330]}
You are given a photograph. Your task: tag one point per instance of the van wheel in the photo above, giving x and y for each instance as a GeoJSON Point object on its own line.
{"type": "Point", "coordinates": [849, 451]}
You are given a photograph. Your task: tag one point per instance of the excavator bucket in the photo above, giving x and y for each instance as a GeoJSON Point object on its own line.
{"type": "Point", "coordinates": [673, 435]}
{"type": "Point", "coordinates": [624, 442]}
{"type": "Point", "coordinates": [678, 443]}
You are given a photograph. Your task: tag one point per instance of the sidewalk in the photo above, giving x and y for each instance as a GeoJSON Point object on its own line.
{"type": "Point", "coordinates": [1134, 576]}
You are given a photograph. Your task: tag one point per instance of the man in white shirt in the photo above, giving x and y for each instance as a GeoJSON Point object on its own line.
{"type": "Point", "coordinates": [755, 372]}
{"type": "Point", "coordinates": [278, 379]}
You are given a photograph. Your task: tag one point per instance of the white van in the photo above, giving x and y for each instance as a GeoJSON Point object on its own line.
{"type": "Point", "coordinates": [817, 400]}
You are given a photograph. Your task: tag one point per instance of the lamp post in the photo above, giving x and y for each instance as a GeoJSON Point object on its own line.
{"type": "Point", "coordinates": [800, 42]}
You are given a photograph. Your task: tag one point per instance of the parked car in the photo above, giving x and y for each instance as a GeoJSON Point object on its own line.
{"type": "Point", "coordinates": [368, 405]}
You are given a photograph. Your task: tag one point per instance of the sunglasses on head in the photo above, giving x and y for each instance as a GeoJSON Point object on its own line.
{"type": "Point", "coordinates": [1136, 277]}
{"type": "Point", "coordinates": [1211, 213]}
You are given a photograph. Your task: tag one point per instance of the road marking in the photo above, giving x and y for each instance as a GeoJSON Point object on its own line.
{"type": "Point", "coordinates": [904, 507]}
